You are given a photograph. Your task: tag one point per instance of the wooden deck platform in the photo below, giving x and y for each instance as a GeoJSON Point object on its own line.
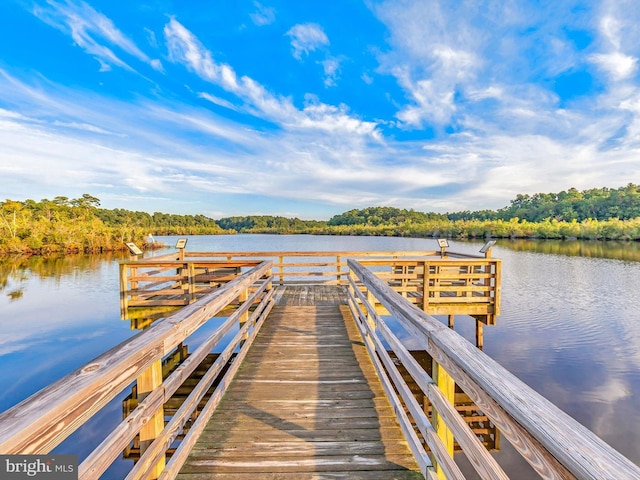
{"type": "Point", "coordinates": [306, 403]}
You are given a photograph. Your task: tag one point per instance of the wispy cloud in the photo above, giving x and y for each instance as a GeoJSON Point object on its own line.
{"type": "Point", "coordinates": [618, 64]}
{"type": "Point", "coordinates": [306, 38]}
{"type": "Point", "coordinates": [91, 30]}
{"type": "Point", "coordinates": [186, 49]}
{"type": "Point", "coordinates": [218, 101]}
{"type": "Point", "coordinates": [331, 68]}
{"type": "Point", "coordinates": [263, 15]}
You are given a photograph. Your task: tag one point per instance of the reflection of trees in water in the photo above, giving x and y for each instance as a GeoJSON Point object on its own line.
{"type": "Point", "coordinates": [16, 271]}
{"type": "Point", "coordinates": [13, 277]}
{"type": "Point", "coordinates": [577, 248]}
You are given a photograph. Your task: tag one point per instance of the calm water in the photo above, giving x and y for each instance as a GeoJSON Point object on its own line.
{"type": "Point", "coordinates": [570, 325]}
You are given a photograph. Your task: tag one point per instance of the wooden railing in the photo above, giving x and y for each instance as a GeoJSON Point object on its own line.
{"type": "Point", "coordinates": [170, 282]}
{"type": "Point", "coordinates": [44, 420]}
{"type": "Point", "coordinates": [454, 283]}
{"type": "Point", "coordinates": [314, 267]}
{"type": "Point", "coordinates": [446, 285]}
{"type": "Point", "coordinates": [552, 442]}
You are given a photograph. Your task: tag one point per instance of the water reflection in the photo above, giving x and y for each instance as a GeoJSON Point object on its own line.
{"type": "Point", "coordinates": [577, 248]}
{"type": "Point", "coordinates": [16, 272]}
{"type": "Point", "coordinates": [569, 324]}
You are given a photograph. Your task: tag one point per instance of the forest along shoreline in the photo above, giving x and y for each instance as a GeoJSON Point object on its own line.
{"type": "Point", "coordinates": [71, 226]}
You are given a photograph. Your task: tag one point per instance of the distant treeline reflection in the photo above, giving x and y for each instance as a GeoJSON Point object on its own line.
{"type": "Point", "coordinates": [629, 251]}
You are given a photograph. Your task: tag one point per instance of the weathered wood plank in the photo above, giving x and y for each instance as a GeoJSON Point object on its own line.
{"type": "Point", "coordinates": [297, 463]}
{"type": "Point", "coordinates": [325, 475]}
{"type": "Point", "coordinates": [306, 401]}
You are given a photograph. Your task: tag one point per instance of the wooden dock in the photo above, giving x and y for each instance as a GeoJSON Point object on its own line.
{"type": "Point", "coordinates": [305, 402]}
{"type": "Point", "coordinates": [309, 379]}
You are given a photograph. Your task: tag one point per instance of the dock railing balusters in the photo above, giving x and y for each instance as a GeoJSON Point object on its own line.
{"type": "Point", "coordinates": [42, 421]}
{"type": "Point", "coordinates": [552, 442]}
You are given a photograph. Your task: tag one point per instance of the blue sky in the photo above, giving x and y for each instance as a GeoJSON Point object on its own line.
{"type": "Point", "coordinates": [310, 108]}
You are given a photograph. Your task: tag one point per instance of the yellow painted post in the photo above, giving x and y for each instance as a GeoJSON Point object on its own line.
{"type": "Point", "coordinates": [149, 380]}
{"type": "Point", "coordinates": [281, 259]}
{"type": "Point", "coordinates": [441, 378]}
{"type": "Point", "coordinates": [338, 258]}
{"type": "Point", "coordinates": [479, 334]}
{"type": "Point", "coordinates": [448, 387]}
{"type": "Point", "coordinates": [451, 321]}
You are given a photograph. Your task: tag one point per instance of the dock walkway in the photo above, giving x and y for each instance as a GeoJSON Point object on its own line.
{"type": "Point", "coordinates": [306, 402]}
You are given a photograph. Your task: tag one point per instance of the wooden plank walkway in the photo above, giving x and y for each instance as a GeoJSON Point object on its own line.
{"type": "Point", "coordinates": [306, 403]}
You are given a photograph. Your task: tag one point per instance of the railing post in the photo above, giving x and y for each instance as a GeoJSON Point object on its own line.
{"type": "Point", "coordinates": [404, 283]}
{"type": "Point", "coordinates": [149, 380]}
{"type": "Point", "coordinates": [124, 295]}
{"type": "Point", "coordinates": [338, 259]}
{"type": "Point", "coordinates": [134, 283]}
{"type": "Point", "coordinates": [242, 297]}
{"type": "Point", "coordinates": [281, 261]}
{"type": "Point", "coordinates": [448, 387]}
{"type": "Point", "coordinates": [370, 307]}
{"type": "Point", "coordinates": [425, 286]}
{"type": "Point", "coordinates": [191, 272]}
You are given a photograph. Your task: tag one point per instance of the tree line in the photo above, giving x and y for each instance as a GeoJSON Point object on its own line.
{"type": "Point", "coordinates": [75, 225]}
{"type": "Point", "coordinates": [65, 225]}
{"type": "Point", "coordinates": [594, 204]}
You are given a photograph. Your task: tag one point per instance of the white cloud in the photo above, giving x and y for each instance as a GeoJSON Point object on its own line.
{"type": "Point", "coordinates": [618, 65]}
{"type": "Point", "coordinates": [89, 30]}
{"type": "Point", "coordinates": [617, 44]}
{"type": "Point", "coordinates": [218, 101]}
{"type": "Point", "coordinates": [82, 126]}
{"type": "Point", "coordinates": [186, 49]}
{"type": "Point", "coordinates": [331, 68]}
{"type": "Point", "coordinates": [435, 51]}
{"type": "Point", "coordinates": [307, 38]}
{"type": "Point", "coordinates": [263, 15]}
{"type": "Point", "coordinates": [431, 102]}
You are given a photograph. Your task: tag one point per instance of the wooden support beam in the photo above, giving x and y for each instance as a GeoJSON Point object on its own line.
{"type": "Point", "coordinates": [149, 380]}
{"type": "Point", "coordinates": [124, 296]}
{"type": "Point", "coordinates": [479, 334]}
{"type": "Point", "coordinates": [448, 387]}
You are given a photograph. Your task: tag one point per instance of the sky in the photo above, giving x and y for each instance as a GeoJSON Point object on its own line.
{"type": "Point", "coordinates": [311, 108]}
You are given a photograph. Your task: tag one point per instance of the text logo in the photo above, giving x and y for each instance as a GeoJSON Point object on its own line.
{"type": "Point", "coordinates": [39, 467]}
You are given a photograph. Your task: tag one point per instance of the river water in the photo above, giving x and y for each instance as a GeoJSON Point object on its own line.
{"type": "Point", "coordinates": [569, 325]}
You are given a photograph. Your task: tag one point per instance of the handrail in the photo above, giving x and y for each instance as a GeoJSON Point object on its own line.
{"type": "Point", "coordinates": [553, 443]}
{"type": "Point", "coordinates": [180, 278]}
{"type": "Point", "coordinates": [44, 420]}
{"type": "Point", "coordinates": [370, 324]}
{"type": "Point", "coordinates": [292, 267]}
